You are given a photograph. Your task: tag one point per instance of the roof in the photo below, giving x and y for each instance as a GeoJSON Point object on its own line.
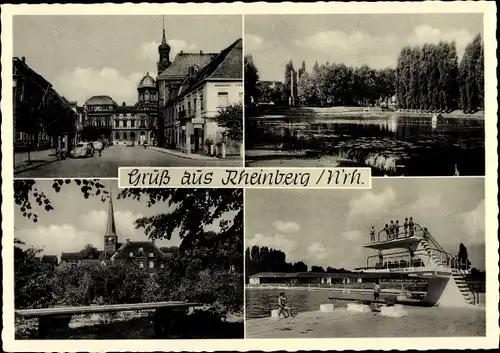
{"type": "Point", "coordinates": [226, 65]}
{"type": "Point", "coordinates": [183, 61]}
{"type": "Point", "coordinates": [49, 258]}
{"type": "Point", "coordinates": [321, 275]}
{"type": "Point", "coordinates": [70, 256]}
{"type": "Point", "coordinates": [98, 100]}
{"type": "Point", "coordinates": [138, 249]}
{"type": "Point", "coordinates": [19, 64]}
{"type": "Point", "coordinates": [147, 81]}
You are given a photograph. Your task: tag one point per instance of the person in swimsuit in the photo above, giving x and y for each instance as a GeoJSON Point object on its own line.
{"type": "Point", "coordinates": [376, 290]}
{"type": "Point", "coordinates": [372, 233]}
{"type": "Point", "coordinates": [412, 226]}
{"type": "Point", "coordinates": [386, 229]}
{"type": "Point", "coordinates": [391, 229]}
{"type": "Point", "coordinates": [282, 306]}
{"type": "Point", "coordinates": [396, 229]}
{"type": "Point", "coordinates": [405, 226]}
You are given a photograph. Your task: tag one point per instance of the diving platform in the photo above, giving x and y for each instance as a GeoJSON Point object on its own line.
{"type": "Point", "coordinates": [399, 242]}
{"type": "Point", "coordinates": [416, 253]}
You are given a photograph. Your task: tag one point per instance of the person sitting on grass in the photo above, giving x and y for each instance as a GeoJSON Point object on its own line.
{"type": "Point", "coordinates": [282, 306]}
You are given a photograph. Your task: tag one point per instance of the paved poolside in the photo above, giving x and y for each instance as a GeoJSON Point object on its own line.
{"type": "Point", "coordinates": [420, 322]}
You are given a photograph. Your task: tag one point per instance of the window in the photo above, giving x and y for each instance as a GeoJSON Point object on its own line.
{"type": "Point", "coordinates": [222, 99]}
{"type": "Point", "coordinates": [117, 136]}
{"type": "Point", "coordinates": [141, 264]}
{"type": "Point", "coordinates": [143, 123]}
{"type": "Point", "coordinates": [151, 264]}
{"type": "Point", "coordinates": [162, 265]}
{"type": "Point", "coordinates": [131, 254]}
{"type": "Point", "coordinates": [189, 108]}
{"type": "Point", "coordinates": [141, 250]}
{"type": "Point", "coordinates": [117, 123]}
{"type": "Point", "coordinates": [125, 136]}
{"type": "Point", "coordinates": [151, 254]}
{"type": "Point", "coordinates": [132, 123]}
{"type": "Point", "coordinates": [201, 102]}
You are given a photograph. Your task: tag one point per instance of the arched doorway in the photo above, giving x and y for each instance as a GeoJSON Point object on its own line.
{"type": "Point", "coordinates": [132, 136]}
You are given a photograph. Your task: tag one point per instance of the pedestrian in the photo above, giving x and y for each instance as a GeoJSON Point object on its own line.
{"type": "Point", "coordinates": [372, 233]}
{"type": "Point", "coordinates": [376, 290]}
{"type": "Point", "coordinates": [391, 229]}
{"type": "Point", "coordinates": [100, 148]}
{"type": "Point", "coordinates": [412, 226]}
{"type": "Point", "coordinates": [282, 307]}
{"type": "Point", "coordinates": [405, 226]}
{"type": "Point", "coordinates": [396, 228]}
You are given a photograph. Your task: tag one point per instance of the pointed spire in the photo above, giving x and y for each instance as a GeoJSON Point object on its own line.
{"type": "Point", "coordinates": [111, 227]}
{"type": "Point", "coordinates": [163, 39]}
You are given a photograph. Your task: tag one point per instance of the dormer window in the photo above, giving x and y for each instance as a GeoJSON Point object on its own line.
{"type": "Point", "coordinates": [151, 254]}
{"type": "Point", "coordinates": [131, 254]}
{"type": "Point", "coordinates": [141, 264]}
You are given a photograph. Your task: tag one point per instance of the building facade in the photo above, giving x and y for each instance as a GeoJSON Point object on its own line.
{"type": "Point", "coordinates": [124, 124]}
{"type": "Point", "coordinates": [42, 117]}
{"type": "Point", "coordinates": [192, 90]}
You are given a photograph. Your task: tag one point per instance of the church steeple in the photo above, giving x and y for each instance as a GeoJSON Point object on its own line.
{"type": "Point", "coordinates": [164, 51]}
{"type": "Point", "coordinates": [110, 236]}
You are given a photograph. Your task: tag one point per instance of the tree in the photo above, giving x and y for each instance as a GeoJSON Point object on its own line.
{"type": "Point", "coordinates": [288, 79]}
{"type": "Point", "coordinates": [89, 252]}
{"type": "Point", "coordinates": [251, 79]}
{"type": "Point", "coordinates": [231, 119]}
{"type": "Point", "coordinates": [317, 269]}
{"type": "Point", "coordinates": [471, 76]}
{"type": "Point", "coordinates": [302, 69]}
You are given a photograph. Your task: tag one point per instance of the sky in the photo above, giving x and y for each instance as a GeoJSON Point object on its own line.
{"type": "Point", "coordinates": [76, 221]}
{"type": "Point", "coordinates": [329, 227]}
{"type": "Point", "coordinates": [352, 39]}
{"type": "Point", "coordinates": [108, 55]}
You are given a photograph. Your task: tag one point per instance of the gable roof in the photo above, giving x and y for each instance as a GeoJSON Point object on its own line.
{"type": "Point", "coordinates": [183, 61]}
{"type": "Point", "coordinates": [135, 248]}
{"type": "Point", "coordinates": [226, 65]}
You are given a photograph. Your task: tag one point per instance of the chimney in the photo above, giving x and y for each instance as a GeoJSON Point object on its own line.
{"type": "Point", "coordinates": [23, 58]}
{"type": "Point", "coordinates": [128, 241]}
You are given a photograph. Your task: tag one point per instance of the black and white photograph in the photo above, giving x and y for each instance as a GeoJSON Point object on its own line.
{"type": "Point", "coordinates": [126, 263]}
{"type": "Point", "coordinates": [94, 93]}
{"type": "Point", "coordinates": [400, 93]}
{"type": "Point", "coordinates": [404, 259]}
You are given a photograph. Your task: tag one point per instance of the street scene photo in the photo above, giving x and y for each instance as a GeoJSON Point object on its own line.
{"type": "Point", "coordinates": [400, 93]}
{"type": "Point", "coordinates": [126, 263]}
{"type": "Point", "coordinates": [404, 259]}
{"type": "Point", "coordinates": [95, 93]}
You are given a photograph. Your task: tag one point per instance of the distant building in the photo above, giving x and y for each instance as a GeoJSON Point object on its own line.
{"type": "Point", "coordinates": [42, 117]}
{"type": "Point", "coordinates": [192, 89]}
{"type": "Point", "coordinates": [125, 124]}
{"type": "Point", "coordinates": [144, 254]}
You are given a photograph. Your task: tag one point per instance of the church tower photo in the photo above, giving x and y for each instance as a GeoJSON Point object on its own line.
{"type": "Point", "coordinates": [110, 236]}
{"type": "Point", "coordinates": [164, 51]}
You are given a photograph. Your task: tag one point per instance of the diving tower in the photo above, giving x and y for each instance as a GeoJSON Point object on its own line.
{"type": "Point", "coordinates": [416, 253]}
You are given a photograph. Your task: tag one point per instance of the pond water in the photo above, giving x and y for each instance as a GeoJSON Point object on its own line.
{"type": "Point", "coordinates": [260, 302]}
{"type": "Point", "coordinates": [392, 145]}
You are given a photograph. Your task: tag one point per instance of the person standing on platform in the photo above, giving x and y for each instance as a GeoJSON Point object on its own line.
{"type": "Point", "coordinates": [372, 234]}
{"type": "Point", "coordinates": [405, 227]}
{"type": "Point", "coordinates": [386, 229]}
{"type": "Point", "coordinates": [391, 229]}
{"type": "Point", "coordinates": [412, 226]}
{"type": "Point", "coordinates": [396, 228]}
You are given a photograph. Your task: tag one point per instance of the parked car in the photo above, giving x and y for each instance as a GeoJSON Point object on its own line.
{"type": "Point", "coordinates": [98, 145]}
{"type": "Point", "coordinates": [82, 150]}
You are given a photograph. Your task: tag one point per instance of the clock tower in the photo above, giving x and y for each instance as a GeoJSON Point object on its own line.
{"type": "Point", "coordinates": [110, 237]}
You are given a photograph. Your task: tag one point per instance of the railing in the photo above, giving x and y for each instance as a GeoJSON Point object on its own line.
{"type": "Point", "coordinates": [417, 230]}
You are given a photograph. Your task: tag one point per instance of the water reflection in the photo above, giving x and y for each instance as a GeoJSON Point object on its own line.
{"type": "Point", "coordinates": [393, 145]}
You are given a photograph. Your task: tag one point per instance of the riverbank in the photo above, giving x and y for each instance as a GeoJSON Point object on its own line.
{"type": "Point", "coordinates": [134, 325]}
{"type": "Point", "coordinates": [329, 289]}
{"type": "Point", "coordinates": [273, 112]}
{"type": "Point", "coordinates": [420, 322]}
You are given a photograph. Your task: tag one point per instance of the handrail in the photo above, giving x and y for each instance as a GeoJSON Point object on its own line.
{"type": "Point", "coordinates": [475, 294]}
{"type": "Point", "coordinates": [401, 235]}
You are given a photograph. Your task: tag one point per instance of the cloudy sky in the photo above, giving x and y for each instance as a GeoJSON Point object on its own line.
{"type": "Point", "coordinates": [72, 225]}
{"type": "Point", "coordinates": [88, 55]}
{"type": "Point", "coordinates": [328, 228]}
{"type": "Point", "coordinates": [375, 40]}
